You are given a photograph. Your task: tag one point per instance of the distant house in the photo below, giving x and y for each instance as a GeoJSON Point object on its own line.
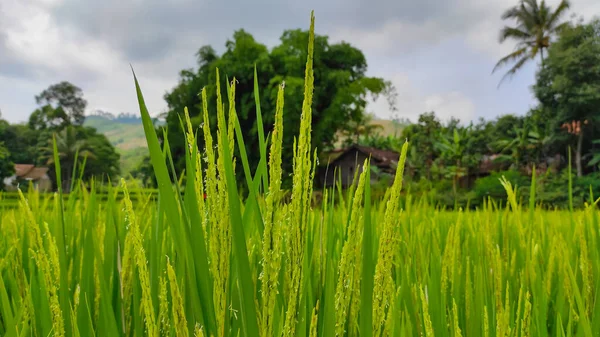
{"type": "Point", "coordinates": [345, 162]}
{"type": "Point", "coordinates": [25, 173]}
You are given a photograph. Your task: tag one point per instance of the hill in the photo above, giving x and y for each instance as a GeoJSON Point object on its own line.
{"type": "Point", "coordinates": [386, 128]}
{"type": "Point", "coordinates": [126, 133]}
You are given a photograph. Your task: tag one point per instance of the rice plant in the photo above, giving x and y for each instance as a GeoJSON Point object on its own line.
{"type": "Point", "coordinates": [129, 264]}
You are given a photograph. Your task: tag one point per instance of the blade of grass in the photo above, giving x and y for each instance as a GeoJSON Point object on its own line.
{"type": "Point", "coordinates": [198, 267]}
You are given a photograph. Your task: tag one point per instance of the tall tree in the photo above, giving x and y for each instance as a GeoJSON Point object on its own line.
{"type": "Point", "coordinates": [6, 166]}
{"type": "Point", "coordinates": [76, 144]}
{"type": "Point", "coordinates": [61, 104]}
{"type": "Point", "coordinates": [422, 137]}
{"type": "Point", "coordinates": [341, 89]}
{"type": "Point", "coordinates": [536, 25]}
{"type": "Point", "coordinates": [569, 82]}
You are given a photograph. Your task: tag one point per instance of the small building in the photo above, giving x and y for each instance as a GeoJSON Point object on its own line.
{"type": "Point", "coordinates": [25, 173]}
{"type": "Point", "coordinates": [343, 164]}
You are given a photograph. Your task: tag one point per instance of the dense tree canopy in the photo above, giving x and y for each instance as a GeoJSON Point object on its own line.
{"type": "Point", "coordinates": [340, 97]}
{"type": "Point", "coordinates": [61, 104]}
{"type": "Point", "coordinates": [83, 144]}
{"type": "Point", "coordinates": [568, 85]}
{"type": "Point", "coordinates": [6, 165]}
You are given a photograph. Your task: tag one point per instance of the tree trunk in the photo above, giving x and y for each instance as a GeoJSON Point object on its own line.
{"type": "Point", "coordinates": [578, 154]}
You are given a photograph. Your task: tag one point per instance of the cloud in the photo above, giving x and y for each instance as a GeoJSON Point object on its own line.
{"type": "Point", "coordinates": [411, 102]}
{"type": "Point", "coordinates": [440, 53]}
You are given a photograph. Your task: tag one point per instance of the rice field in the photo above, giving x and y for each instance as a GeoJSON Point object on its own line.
{"type": "Point", "coordinates": [92, 264]}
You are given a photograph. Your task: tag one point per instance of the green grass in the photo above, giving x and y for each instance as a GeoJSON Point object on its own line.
{"type": "Point", "coordinates": [101, 263]}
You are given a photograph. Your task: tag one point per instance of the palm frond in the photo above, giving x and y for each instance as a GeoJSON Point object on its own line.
{"type": "Point", "coordinates": [560, 11]}
{"type": "Point", "coordinates": [515, 68]}
{"type": "Point", "coordinates": [513, 33]}
{"type": "Point", "coordinates": [516, 55]}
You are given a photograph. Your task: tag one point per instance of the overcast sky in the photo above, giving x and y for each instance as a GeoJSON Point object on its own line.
{"type": "Point", "coordinates": [439, 54]}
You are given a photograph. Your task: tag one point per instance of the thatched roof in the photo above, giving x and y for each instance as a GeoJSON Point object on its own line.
{"type": "Point", "coordinates": [30, 172]}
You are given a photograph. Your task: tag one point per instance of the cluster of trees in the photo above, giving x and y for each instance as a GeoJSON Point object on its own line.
{"type": "Point", "coordinates": [566, 118]}
{"type": "Point", "coordinates": [342, 90]}
{"type": "Point", "coordinates": [567, 88]}
{"type": "Point", "coordinates": [60, 116]}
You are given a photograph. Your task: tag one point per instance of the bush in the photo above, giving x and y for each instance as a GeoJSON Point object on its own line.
{"type": "Point", "coordinates": [490, 186]}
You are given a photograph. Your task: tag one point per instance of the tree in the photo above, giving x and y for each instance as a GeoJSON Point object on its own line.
{"type": "Point", "coordinates": [76, 145]}
{"type": "Point", "coordinates": [105, 162]}
{"type": "Point", "coordinates": [422, 137]}
{"type": "Point", "coordinates": [61, 104]}
{"type": "Point", "coordinates": [21, 142]}
{"type": "Point", "coordinates": [453, 151]}
{"type": "Point", "coordinates": [536, 26]}
{"type": "Point", "coordinates": [340, 95]}
{"type": "Point", "coordinates": [7, 168]}
{"type": "Point", "coordinates": [569, 83]}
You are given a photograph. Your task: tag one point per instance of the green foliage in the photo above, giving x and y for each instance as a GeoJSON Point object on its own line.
{"type": "Point", "coordinates": [489, 187]}
{"type": "Point", "coordinates": [61, 104]}
{"type": "Point", "coordinates": [568, 84]}
{"type": "Point", "coordinates": [21, 142]}
{"type": "Point", "coordinates": [569, 81]}
{"type": "Point", "coordinates": [343, 90]}
{"type": "Point", "coordinates": [378, 141]}
{"type": "Point", "coordinates": [78, 146]}
{"type": "Point", "coordinates": [6, 165]}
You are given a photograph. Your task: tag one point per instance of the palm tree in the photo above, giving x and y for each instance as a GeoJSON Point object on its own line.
{"type": "Point", "coordinates": [536, 25]}
{"type": "Point", "coordinates": [69, 148]}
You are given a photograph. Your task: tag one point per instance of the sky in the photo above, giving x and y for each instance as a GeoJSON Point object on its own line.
{"type": "Point", "coordinates": [438, 54]}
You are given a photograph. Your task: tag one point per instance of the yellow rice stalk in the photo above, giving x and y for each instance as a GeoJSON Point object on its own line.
{"type": "Point", "coordinates": [272, 238]}
{"type": "Point", "coordinates": [76, 299]}
{"type": "Point", "coordinates": [301, 193]}
{"type": "Point", "coordinates": [47, 262]}
{"type": "Point", "coordinates": [191, 140]}
{"type": "Point", "coordinates": [426, 317]}
{"type": "Point", "coordinates": [347, 266]}
{"type": "Point", "coordinates": [96, 292]}
{"type": "Point", "coordinates": [457, 331]}
{"type": "Point", "coordinates": [486, 322]}
{"type": "Point", "coordinates": [503, 320]}
{"type": "Point", "coordinates": [586, 270]}
{"type": "Point", "coordinates": [198, 331]}
{"type": "Point", "coordinates": [127, 280]}
{"type": "Point", "coordinates": [163, 308]}
{"type": "Point", "coordinates": [526, 321]}
{"type": "Point", "coordinates": [141, 263]}
{"type": "Point", "coordinates": [314, 320]}
{"type": "Point", "coordinates": [383, 289]}
{"type": "Point", "coordinates": [220, 236]}
{"type": "Point", "coordinates": [178, 310]}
